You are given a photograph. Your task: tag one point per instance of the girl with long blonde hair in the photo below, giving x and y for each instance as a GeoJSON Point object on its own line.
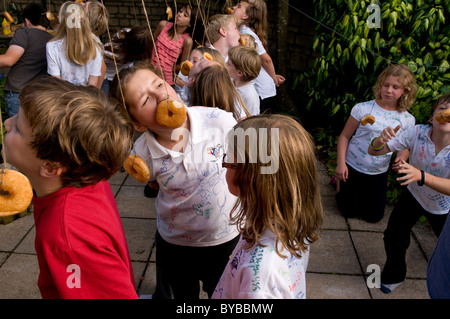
{"type": "Point", "coordinates": [279, 209]}
{"type": "Point", "coordinates": [73, 55]}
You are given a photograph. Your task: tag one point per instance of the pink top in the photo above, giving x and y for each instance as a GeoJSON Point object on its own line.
{"type": "Point", "coordinates": [168, 52]}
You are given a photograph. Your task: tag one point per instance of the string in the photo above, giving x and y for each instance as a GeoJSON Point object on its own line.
{"type": "Point", "coordinates": [2, 171]}
{"type": "Point", "coordinates": [364, 48]}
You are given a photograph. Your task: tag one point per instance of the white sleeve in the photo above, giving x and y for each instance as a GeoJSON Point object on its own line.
{"type": "Point", "coordinates": [96, 64]}
{"type": "Point", "coordinates": [53, 67]}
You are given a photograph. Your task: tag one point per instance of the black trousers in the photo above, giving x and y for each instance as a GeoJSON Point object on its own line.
{"type": "Point", "coordinates": [363, 195]}
{"type": "Point", "coordinates": [397, 235]}
{"type": "Point", "coordinates": [180, 268]}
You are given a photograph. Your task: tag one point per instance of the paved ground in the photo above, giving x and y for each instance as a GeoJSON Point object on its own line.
{"type": "Point", "coordinates": [337, 266]}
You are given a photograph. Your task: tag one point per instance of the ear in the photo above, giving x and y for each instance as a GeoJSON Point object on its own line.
{"type": "Point", "coordinates": [27, 23]}
{"type": "Point", "coordinates": [50, 169]}
{"type": "Point", "coordinates": [222, 32]}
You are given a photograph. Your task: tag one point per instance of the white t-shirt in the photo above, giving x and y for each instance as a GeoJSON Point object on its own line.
{"type": "Point", "coordinates": [357, 155]}
{"type": "Point", "coordinates": [250, 97]}
{"type": "Point", "coordinates": [58, 65]}
{"type": "Point", "coordinates": [193, 204]}
{"type": "Point", "coordinates": [260, 273]}
{"type": "Point", "coordinates": [264, 84]}
{"type": "Point", "coordinates": [423, 156]}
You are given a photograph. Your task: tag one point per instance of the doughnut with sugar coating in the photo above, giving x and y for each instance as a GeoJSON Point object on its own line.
{"type": "Point", "coordinates": [171, 113]}
{"type": "Point", "coordinates": [16, 192]}
{"type": "Point", "coordinates": [367, 119]}
{"type": "Point", "coordinates": [137, 168]}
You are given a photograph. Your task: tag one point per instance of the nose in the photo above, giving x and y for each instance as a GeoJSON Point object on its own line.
{"type": "Point", "coordinates": [8, 123]}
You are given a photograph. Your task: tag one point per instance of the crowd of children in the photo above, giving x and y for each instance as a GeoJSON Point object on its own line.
{"type": "Point", "coordinates": [246, 218]}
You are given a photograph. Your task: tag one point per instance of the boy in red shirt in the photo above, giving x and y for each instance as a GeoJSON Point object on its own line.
{"type": "Point", "coordinates": [68, 140]}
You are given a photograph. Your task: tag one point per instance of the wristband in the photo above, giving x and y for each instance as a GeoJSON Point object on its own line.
{"type": "Point", "coordinates": [422, 181]}
{"type": "Point", "coordinates": [376, 149]}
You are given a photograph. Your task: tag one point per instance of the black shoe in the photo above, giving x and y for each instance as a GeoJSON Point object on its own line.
{"type": "Point", "coordinates": [150, 192]}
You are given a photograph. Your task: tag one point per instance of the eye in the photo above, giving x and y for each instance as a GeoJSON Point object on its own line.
{"type": "Point", "coordinates": [145, 102]}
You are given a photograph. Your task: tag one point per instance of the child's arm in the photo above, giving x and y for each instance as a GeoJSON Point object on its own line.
{"type": "Point", "coordinates": [11, 56]}
{"type": "Point", "coordinates": [412, 174]}
{"type": "Point", "coordinates": [349, 128]}
{"type": "Point", "coordinates": [378, 145]}
{"type": "Point", "coordinates": [187, 47]}
{"type": "Point", "coordinates": [267, 64]}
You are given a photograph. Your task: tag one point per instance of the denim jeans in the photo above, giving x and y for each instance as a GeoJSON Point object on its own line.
{"type": "Point", "coordinates": [12, 103]}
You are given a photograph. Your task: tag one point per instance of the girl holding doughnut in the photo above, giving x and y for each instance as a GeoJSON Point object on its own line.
{"type": "Point", "coordinates": [362, 178]}
{"type": "Point", "coordinates": [194, 237]}
{"type": "Point", "coordinates": [429, 147]}
{"type": "Point", "coordinates": [278, 212]}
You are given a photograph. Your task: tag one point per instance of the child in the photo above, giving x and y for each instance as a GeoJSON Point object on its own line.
{"type": "Point", "coordinates": [73, 55]}
{"type": "Point", "coordinates": [429, 147]}
{"type": "Point", "coordinates": [174, 40]}
{"type": "Point", "coordinates": [278, 212]}
{"type": "Point", "coordinates": [130, 45]}
{"type": "Point", "coordinates": [182, 85]}
{"type": "Point", "coordinates": [25, 55]}
{"type": "Point", "coordinates": [363, 178]}
{"type": "Point", "coordinates": [213, 87]}
{"type": "Point", "coordinates": [68, 140]}
{"type": "Point", "coordinates": [251, 17]}
{"type": "Point", "coordinates": [193, 203]}
{"type": "Point", "coordinates": [244, 65]}
{"type": "Point", "coordinates": [222, 33]}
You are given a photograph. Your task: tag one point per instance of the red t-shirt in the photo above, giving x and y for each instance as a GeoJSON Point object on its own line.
{"type": "Point", "coordinates": [81, 246]}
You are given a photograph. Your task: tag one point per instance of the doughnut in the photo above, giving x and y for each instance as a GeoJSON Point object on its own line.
{"type": "Point", "coordinates": [49, 15]}
{"type": "Point", "coordinates": [16, 192]}
{"type": "Point", "coordinates": [171, 113]}
{"type": "Point", "coordinates": [186, 67]}
{"type": "Point", "coordinates": [169, 13]}
{"type": "Point", "coordinates": [444, 116]}
{"type": "Point", "coordinates": [207, 56]}
{"type": "Point", "coordinates": [137, 168]}
{"type": "Point", "coordinates": [242, 41]}
{"type": "Point", "coordinates": [368, 119]}
{"type": "Point", "coordinates": [229, 11]}
{"type": "Point", "coordinates": [8, 17]}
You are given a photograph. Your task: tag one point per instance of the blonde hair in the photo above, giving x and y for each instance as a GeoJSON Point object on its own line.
{"type": "Point", "coordinates": [213, 87]}
{"type": "Point", "coordinates": [216, 22]}
{"type": "Point", "coordinates": [74, 28]}
{"type": "Point", "coordinates": [287, 202]}
{"type": "Point", "coordinates": [257, 19]}
{"type": "Point", "coordinates": [98, 17]}
{"type": "Point", "coordinates": [214, 53]}
{"type": "Point", "coordinates": [406, 78]}
{"type": "Point", "coordinates": [249, 41]}
{"type": "Point", "coordinates": [77, 127]}
{"type": "Point", "coordinates": [246, 60]}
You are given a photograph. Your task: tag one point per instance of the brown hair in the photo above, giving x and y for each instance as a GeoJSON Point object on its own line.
{"type": "Point", "coordinates": [406, 78]}
{"type": "Point", "coordinates": [246, 60]}
{"type": "Point", "coordinates": [287, 201]}
{"type": "Point", "coordinates": [78, 128]}
{"type": "Point", "coordinates": [213, 87]}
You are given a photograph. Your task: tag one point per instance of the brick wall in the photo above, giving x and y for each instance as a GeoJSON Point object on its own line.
{"type": "Point", "coordinates": [295, 58]}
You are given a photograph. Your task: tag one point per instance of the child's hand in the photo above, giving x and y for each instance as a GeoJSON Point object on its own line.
{"type": "Point", "coordinates": [341, 172]}
{"type": "Point", "coordinates": [389, 133]}
{"type": "Point", "coordinates": [412, 174]}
